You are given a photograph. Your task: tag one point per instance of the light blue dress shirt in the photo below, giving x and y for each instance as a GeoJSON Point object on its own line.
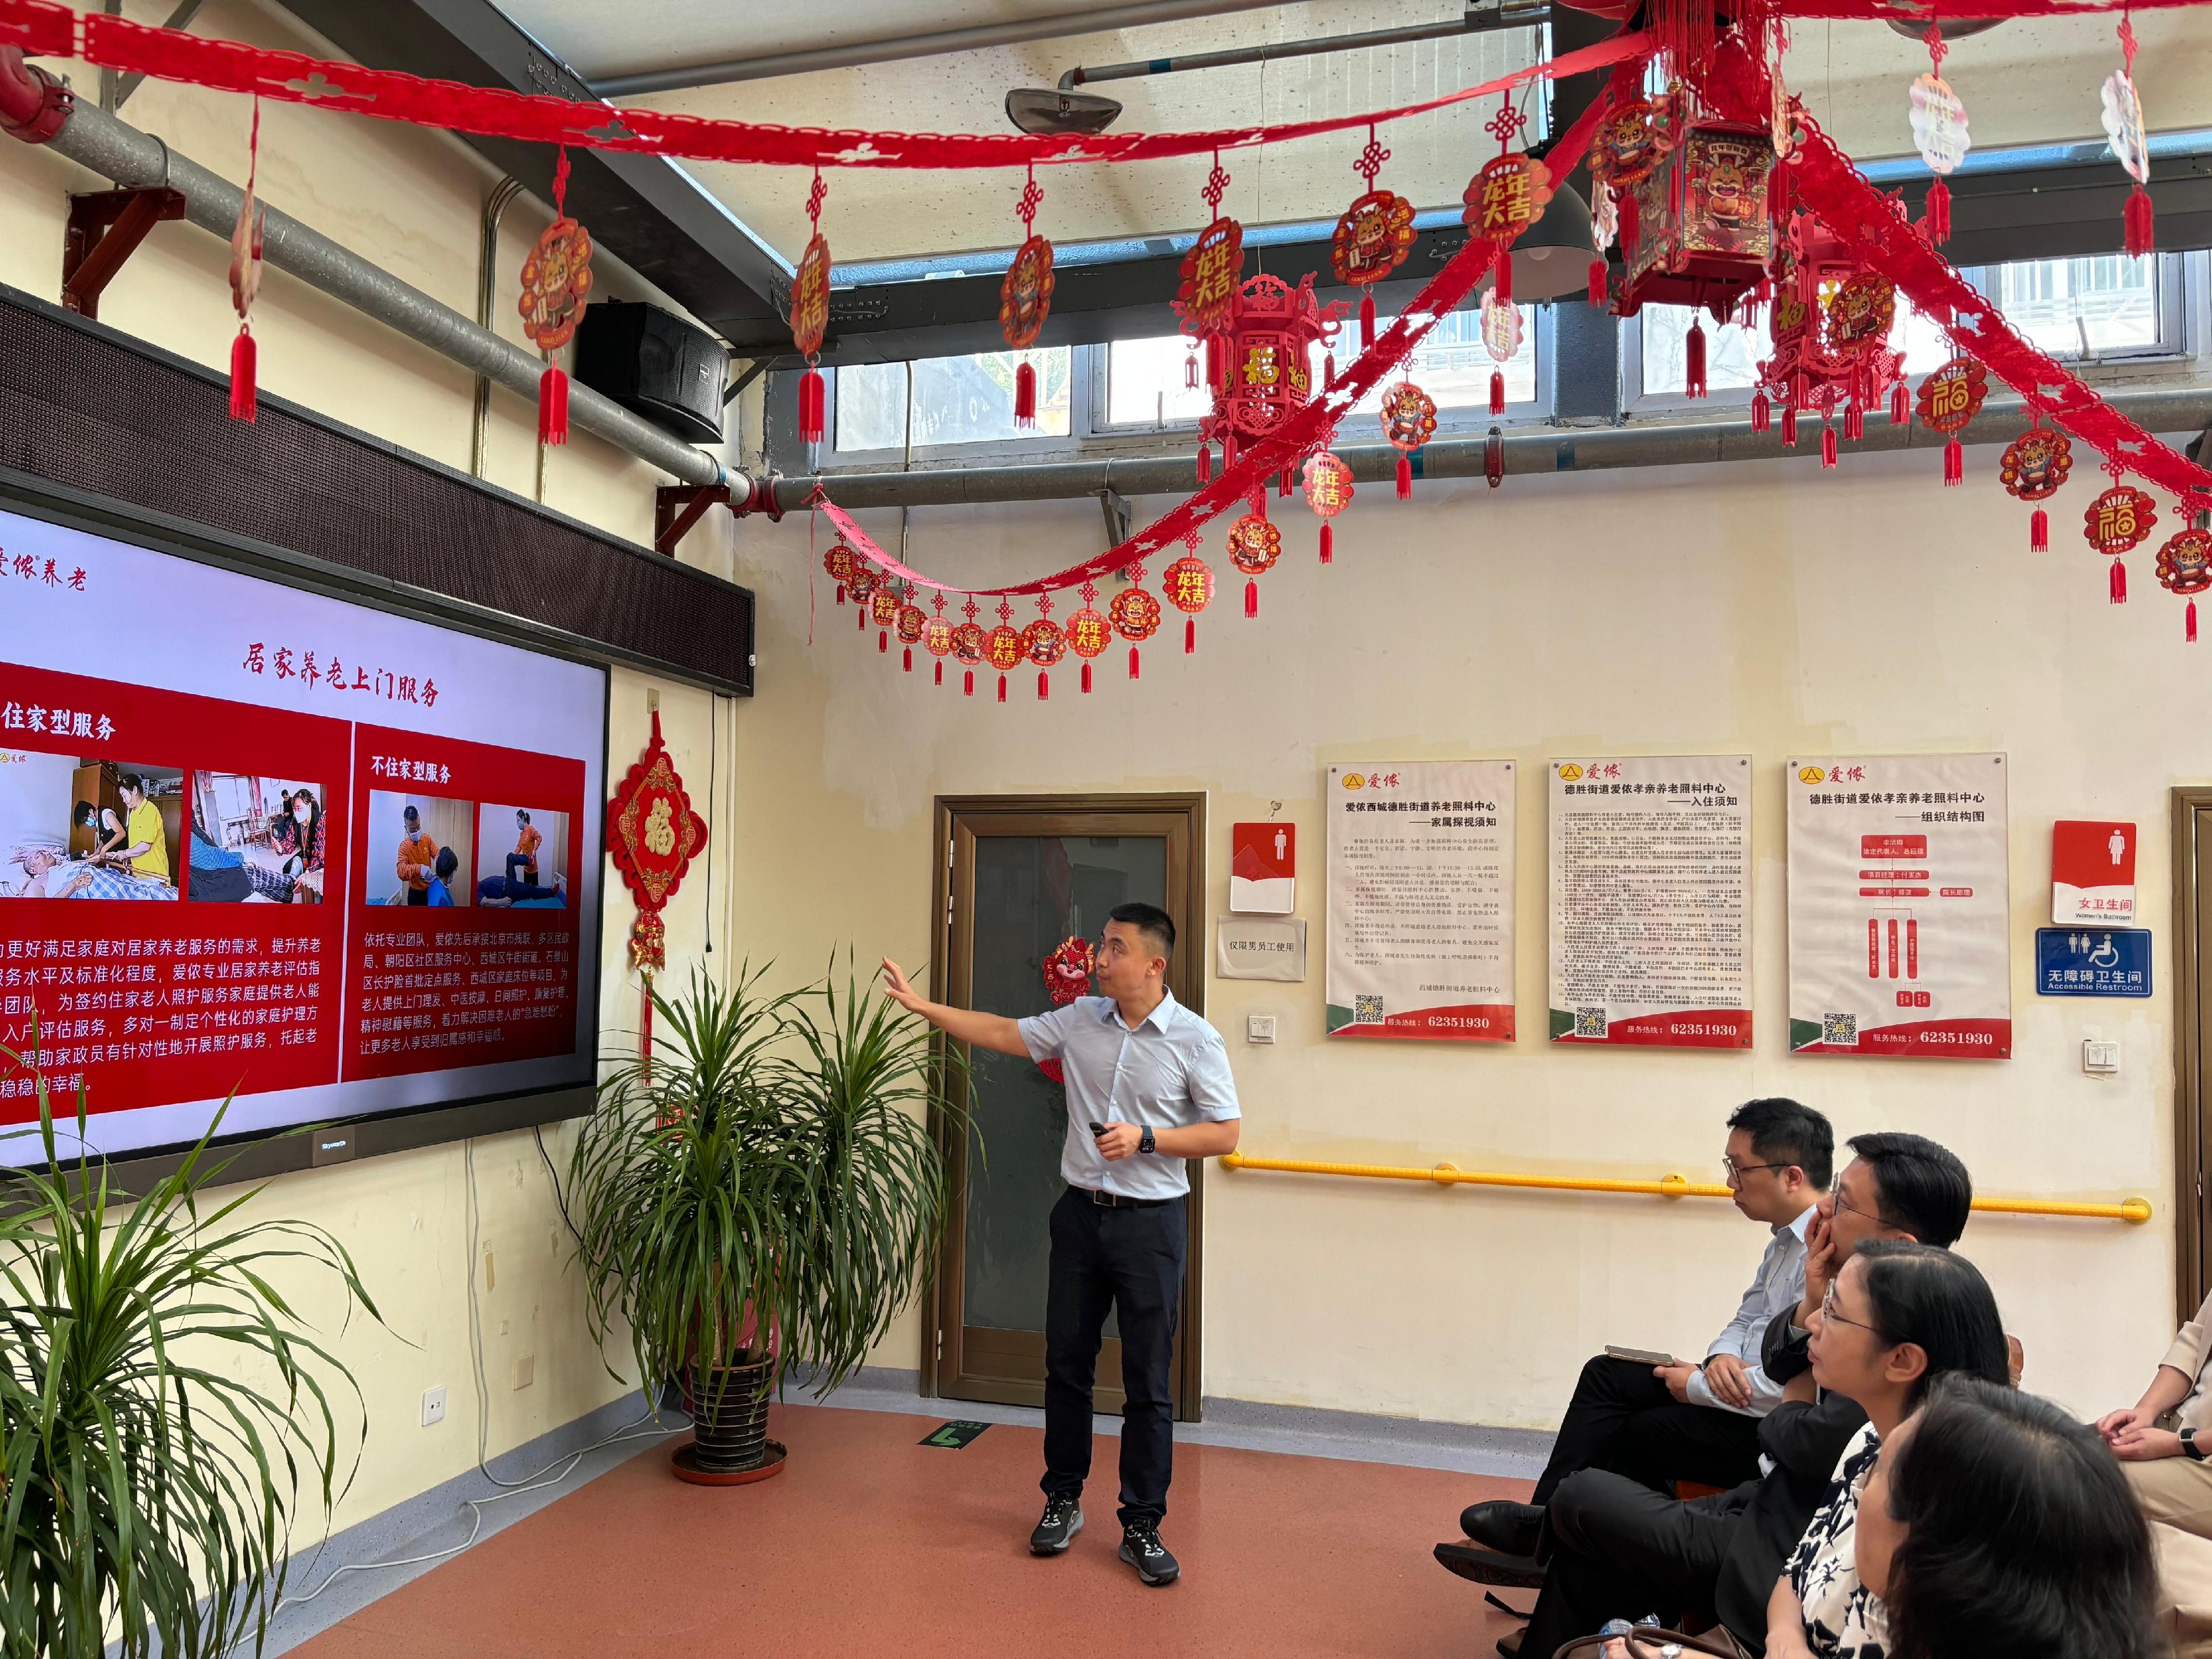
{"type": "Point", "coordinates": [1169, 1073]}
{"type": "Point", "coordinates": [1779, 1283]}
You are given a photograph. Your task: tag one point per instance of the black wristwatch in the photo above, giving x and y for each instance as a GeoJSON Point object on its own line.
{"type": "Point", "coordinates": [2189, 1446]}
{"type": "Point", "coordinates": [1144, 1145]}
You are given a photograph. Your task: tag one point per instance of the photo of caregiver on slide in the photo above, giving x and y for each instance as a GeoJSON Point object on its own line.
{"type": "Point", "coordinates": [1148, 1086]}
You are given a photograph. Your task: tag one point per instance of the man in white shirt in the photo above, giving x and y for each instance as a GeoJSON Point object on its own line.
{"type": "Point", "coordinates": [1148, 1087]}
{"type": "Point", "coordinates": [1662, 1424]}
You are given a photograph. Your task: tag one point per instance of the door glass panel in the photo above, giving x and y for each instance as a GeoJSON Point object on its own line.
{"type": "Point", "coordinates": [1031, 893]}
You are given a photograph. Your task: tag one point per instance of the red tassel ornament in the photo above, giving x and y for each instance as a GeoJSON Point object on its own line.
{"type": "Point", "coordinates": [1132, 663]}
{"type": "Point", "coordinates": [1954, 462]}
{"type": "Point", "coordinates": [1025, 394]}
{"type": "Point", "coordinates": [1827, 445]}
{"type": "Point", "coordinates": [1087, 679]}
{"type": "Point", "coordinates": [1789, 425]}
{"type": "Point", "coordinates": [2039, 531]}
{"type": "Point", "coordinates": [908, 653]}
{"type": "Point", "coordinates": [1217, 361]}
{"type": "Point", "coordinates": [1366, 319]}
{"type": "Point", "coordinates": [1189, 636]}
{"type": "Point", "coordinates": [2119, 582]}
{"type": "Point", "coordinates": [883, 643]}
{"type": "Point", "coordinates": [968, 683]}
{"type": "Point", "coordinates": [1044, 686]}
{"type": "Point", "coordinates": [2189, 623]}
{"type": "Point", "coordinates": [1503, 267]}
{"type": "Point", "coordinates": [1854, 422]}
{"type": "Point", "coordinates": [2138, 222]}
{"type": "Point", "coordinates": [553, 406]}
{"type": "Point", "coordinates": [1761, 412]}
{"type": "Point", "coordinates": [1624, 206]}
{"type": "Point", "coordinates": [1002, 687]}
{"type": "Point", "coordinates": [1205, 466]}
{"type": "Point", "coordinates": [1900, 407]}
{"type": "Point", "coordinates": [809, 406]}
{"type": "Point", "coordinates": [1693, 354]}
{"type": "Point", "coordinates": [941, 673]}
{"type": "Point", "coordinates": [1327, 545]}
{"type": "Point", "coordinates": [245, 399]}
{"type": "Point", "coordinates": [1497, 392]}
{"type": "Point", "coordinates": [1598, 296]}
{"type": "Point", "coordinates": [1405, 476]}
{"type": "Point", "coordinates": [1251, 598]}
{"type": "Point", "coordinates": [1936, 222]}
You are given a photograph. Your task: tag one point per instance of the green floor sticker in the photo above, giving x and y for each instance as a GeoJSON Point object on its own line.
{"type": "Point", "coordinates": [954, 1435]}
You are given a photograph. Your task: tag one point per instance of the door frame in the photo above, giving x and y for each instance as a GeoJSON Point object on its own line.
{"type": "Point", "coordinates": [952, 854]}
{"type": "Point", "coordinates": [2192, 1153]}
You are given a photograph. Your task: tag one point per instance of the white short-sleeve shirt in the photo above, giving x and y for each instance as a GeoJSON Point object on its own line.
{"type": "Point", "coordinates": [1169, 1072]}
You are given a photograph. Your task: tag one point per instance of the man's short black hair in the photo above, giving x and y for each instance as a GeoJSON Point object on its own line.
{"type": "Point", "coordinates": [1783, 1130]}
{"type": "Point", "coordinates": [1923, 1188]}
{"type": "Point", "coordinates": [1154, 923]}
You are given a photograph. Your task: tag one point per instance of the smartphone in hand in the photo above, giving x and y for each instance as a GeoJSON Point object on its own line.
{"type": "Point", "coordinates": [1097, 1128]}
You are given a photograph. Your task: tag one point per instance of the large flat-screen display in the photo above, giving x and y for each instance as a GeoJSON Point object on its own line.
{"type": "Point", "coordinates": [261, 840]}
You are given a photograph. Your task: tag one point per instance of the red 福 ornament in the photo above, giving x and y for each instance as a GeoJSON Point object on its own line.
{"type": "Point", "coordinates": [810, 314]}
{"type": "Point", "coordinates": [1373, 237]}
{"type": "Point", "coordinates": [653, 835]}
{"type": "Point", "coordinates": [1949, 399]}
{"type": "Point", "coordinates": [2184, 566]}
{"type": "Point", "coordinates": [2117, 520]}
{"type": "Point", "coordinates": [1409, 420]}
{"type": "Point", "coordinates": [2034, 466]}
{"type": "Point", "coordinates": [556, 281]}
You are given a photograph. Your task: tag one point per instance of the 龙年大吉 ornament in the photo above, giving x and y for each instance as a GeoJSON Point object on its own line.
{"type": "Point", "coordinates": [1187, 585]}
{"type": "Point", "coordinates": [1328, 492]}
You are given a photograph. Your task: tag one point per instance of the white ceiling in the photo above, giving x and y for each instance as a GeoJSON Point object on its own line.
{"type": "Point", "coordinates": [2021, 83]}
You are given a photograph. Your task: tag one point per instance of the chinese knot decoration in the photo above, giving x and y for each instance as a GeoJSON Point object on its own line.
{"type": "Point", "coordinates": [556, 281]}
{"type": "Point", "coordinates": [1067, 972]}
{"type": "Point", "coordinates": [1949, 400]}
{"type": "Point", "coordinates": [245, 282]}
{"type": "Point", "coordinates": [810, 314]}
{"type": "Point", "coordinates": [2123, 128]}
{"type": "Point", "coordinates": [2184, 566]}
{"type": "Point", "coordinates": [653, 835]}
{"type": "Point", "coordinates": [1328, 492]}
{"type": "Point", "coordinates": [1025, 299]}
{"type": "Point", "coordinates": [2117, 521]}
{"type": "Point", "coordinates": [1507, 197]}
{"type": "Point", "coordinates": [2034, 466]}
{"type": "Point", "coordinates": [1409, 420]}
{"type": "Point", "coordinates": [1373, 237]}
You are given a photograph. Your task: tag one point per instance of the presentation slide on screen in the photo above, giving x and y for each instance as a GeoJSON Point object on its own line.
{"type": "Point", "coordinates": [262, 841]}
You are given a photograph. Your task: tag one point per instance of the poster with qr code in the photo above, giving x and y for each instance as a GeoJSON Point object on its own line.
{"type": "Point", "coordinates": [1651, 888]}
{"type": "Point", "coordinates": [1900, 939]}
{"type": "Point", "coordinates": [1420, 900]}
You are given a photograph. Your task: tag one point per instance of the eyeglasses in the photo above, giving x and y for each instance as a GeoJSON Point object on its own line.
{"type": "Point", "coordinates": [1828, 1311]}
{"type": "Point", "coordinates": [1734, 1172]}
{"type": "Point", "coordinates": [1835, 1192]}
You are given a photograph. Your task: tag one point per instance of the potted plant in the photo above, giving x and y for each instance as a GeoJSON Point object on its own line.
{"type": "Point", "coordinates": [162, 1405]}
{"type": "Point", "coordinates": [762, 1193]}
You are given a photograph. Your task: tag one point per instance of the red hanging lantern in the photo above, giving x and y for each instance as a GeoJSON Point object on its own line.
{"type": "Point", "coordinates": [1272, 330]}
{"type": "Point", "coordinates": [2119, 520]}
{"type": "Point", "coordinates": [1409, 420]}
{"type": "Point", "coordinates": [2184, 566]}
{"type": "Point", "coordinates": [1829, 325]}
{"type": "Point", "coordinates": [556, 281]}
{"type": "Point", "coordinates": [1373, 237]}
{"type": "Point", "coordinates": [1694, 228]}
{"type": "Point", "coordinates": [810, 314]}
{"type": "Point", "coordinates": [1949, 399]}
{"type": "Point", "coordinates": [2034, 466]}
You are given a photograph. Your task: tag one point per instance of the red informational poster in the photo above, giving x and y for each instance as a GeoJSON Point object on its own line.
{"type": "Point", "coordinates": [262, 843]}
{"type": "Point", "coordinates": [2092, 874]}
{"type": "Point", "coordinates": [1263, 863]}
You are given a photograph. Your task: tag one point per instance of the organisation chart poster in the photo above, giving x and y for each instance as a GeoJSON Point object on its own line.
{"type": "Point", "coordinates": [1420, 900]}
{"type": "Point", "coordinates": [1900, 941]}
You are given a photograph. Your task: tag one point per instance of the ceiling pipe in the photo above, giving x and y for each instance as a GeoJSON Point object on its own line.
{"type": "Point", "coordinates": [37, 108]}
{"type": "Point", "coordinates": [1477, 20]}
{"type": "Point", "coordinates": [1535, 450]}
{"type": "Point", "coordinates": [891, 49]}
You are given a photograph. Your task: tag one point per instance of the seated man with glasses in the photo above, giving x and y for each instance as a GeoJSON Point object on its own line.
{"type": "Point", "coordinates": [1658, 1424]}
{"type": "Point", "coordinates": [1608, 1541]}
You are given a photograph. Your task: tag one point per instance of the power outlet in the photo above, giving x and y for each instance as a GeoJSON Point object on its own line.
{"type": "Point", "coordinates": [525, 1370]}
{"type": "Point", "coordinates": [433, 1406]}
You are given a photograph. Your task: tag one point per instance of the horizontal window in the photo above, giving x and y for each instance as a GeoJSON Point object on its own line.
{"type": "Point", "coordinates": [949, 400]}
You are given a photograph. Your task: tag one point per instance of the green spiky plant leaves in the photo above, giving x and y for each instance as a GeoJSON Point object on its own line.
{"type": "Point", "coordinates": [768, 1185]}
{"type": "Point", "coordinates": [165, 1411]}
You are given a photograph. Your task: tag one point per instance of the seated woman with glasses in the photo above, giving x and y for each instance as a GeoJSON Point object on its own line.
{"type": "Point", "coordinates": [1897, 1317]}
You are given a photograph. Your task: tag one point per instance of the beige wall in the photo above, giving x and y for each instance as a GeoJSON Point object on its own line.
{"type": "Point", "coordinates": [1766, 607]}
{"type": "Point", "coordinates": [409, 200]}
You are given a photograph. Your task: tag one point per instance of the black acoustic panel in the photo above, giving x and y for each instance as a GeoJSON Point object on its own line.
{"type": "Point", "coordinates": [654, 364]}
{"type": "Point", "coordinates": [95, 411]}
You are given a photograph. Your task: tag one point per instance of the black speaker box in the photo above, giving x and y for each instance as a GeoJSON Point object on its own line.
{"type": "Point", "coordinates": [656, 365]}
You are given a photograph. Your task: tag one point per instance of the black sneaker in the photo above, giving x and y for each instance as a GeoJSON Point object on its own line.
{"type": "Point", "coordinates": [1142, 1549]}
{"type": "Point", "coordinates": [1063, 1519]}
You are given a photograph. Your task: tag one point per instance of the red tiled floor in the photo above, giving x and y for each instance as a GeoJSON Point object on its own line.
{"type": "Point", "coordinates": [870, 1543]}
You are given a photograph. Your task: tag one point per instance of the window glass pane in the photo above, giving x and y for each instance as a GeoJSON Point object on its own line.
{"type": "Point", "coordinates": [1451, 365]}
{"type": "Point", "coordinates": [2077, 307]}
{"type": "Point", "coordinates": [1733, 352]}
{"type": "Point", "coordinates": [957, 400]}
{"type": "Point", "coordinates": [1144, 383]}
{"type": "Point", "coordinates": [871, 406]}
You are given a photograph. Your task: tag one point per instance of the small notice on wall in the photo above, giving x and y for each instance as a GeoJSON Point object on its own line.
{"type": "Point", "coordinates": [1261, 948]}
{"type": "Point", "coordinates": [1420, 900]}
{"type": "Point", "coordinates": [1263, 868]}
{"type": "Point", "coordinates": [1651, 876]}
{"type": "Point", "coordinates": [1899, 937]}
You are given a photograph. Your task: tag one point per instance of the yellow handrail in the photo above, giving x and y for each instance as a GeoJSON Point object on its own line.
{"type": "Point", "coordinates": [2134, 1210]}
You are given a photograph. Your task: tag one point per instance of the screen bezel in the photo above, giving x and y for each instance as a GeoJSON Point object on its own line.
{"type": "Point", "coordinates": [259, 1154]}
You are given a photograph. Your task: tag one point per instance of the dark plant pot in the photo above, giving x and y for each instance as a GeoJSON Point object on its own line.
{"type": "Point", "coordinates": [729, 1412]}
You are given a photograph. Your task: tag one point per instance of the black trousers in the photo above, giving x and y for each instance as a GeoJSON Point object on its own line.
{"type": "Point", "coordinates": [418, 895]}
{"type": "Point", "coordinates": [1130, 1261]}
{"type": "Point", "coordinates": [1622, 1418]}
{"type": "Point", "coordinates": [1619, 1549]}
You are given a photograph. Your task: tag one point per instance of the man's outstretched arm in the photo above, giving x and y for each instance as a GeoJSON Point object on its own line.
{"type": "Point", "coordinates": [966, 1025]}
